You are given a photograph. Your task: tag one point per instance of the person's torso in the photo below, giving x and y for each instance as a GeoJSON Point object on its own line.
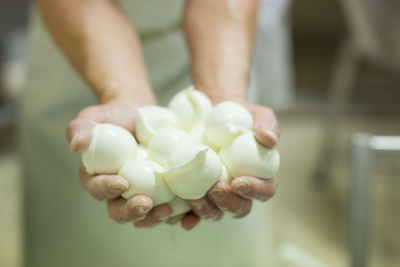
{"type": "Point", "coordinates": [73, 227]}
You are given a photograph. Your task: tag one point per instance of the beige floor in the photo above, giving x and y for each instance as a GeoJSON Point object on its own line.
{"type": "Point", "coordinates": [311, 224]}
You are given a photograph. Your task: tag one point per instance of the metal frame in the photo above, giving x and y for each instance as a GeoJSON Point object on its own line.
{"type": "Point", "coordinates": [363, 149]}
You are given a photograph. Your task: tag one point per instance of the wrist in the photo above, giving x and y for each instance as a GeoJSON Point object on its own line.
{"type": "Point", "coordinates": [221, 83]}
{"type": "Point", "coordinates": [137, 98]}
{"type": "Point", "coordinates": [217, 97]}
{"type": "Point", "coordinates": [225, 93]}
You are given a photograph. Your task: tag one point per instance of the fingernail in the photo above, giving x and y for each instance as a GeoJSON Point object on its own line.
{"type": "Point", "coordinates": [162, 215]}
{"type": "Point", "coordinates": [272, 134]}
{"type": "Point", "coordinates": [118, 187]}
{"type": "Point", "coordinates": [218, 194]}
{"type": "Point", "coordinates": [199, 204]}
{"type": "Point", "coordinates": [114, 190]}
{"type": "Point", "coordinates": [176, 219]}
{"type": "Point", "coordinates": [73, 142]}
{"type": "Point", "coordinates": [242, 188]}
{"type": "Point", "coordinates": [141, 210]}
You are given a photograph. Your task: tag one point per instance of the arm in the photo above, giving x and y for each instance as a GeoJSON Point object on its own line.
{"type": "Point", "coordinates": [220, 36]}
{"type": "Point", "coordinates": [101, 45]}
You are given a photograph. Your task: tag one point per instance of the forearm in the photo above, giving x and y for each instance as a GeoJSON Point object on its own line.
{"type": "Point", "coordinates": [101, 45]}
{"type": "Point", "coordinates": [220, 36]}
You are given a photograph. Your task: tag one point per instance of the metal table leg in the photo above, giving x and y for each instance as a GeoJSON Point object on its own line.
{"type": "Point", "coordinates": [361, 172]}
{"type": "Point", "coordinates": [363, 148]}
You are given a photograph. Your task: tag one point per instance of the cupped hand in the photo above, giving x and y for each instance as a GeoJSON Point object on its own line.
{"type": "Point", "coordinates": [236, 197]}
{"type": "Point", "coordinates": [138, 208]}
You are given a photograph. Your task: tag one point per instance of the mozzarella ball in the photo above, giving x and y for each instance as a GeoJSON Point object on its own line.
{"type": "Point", "coordinates": [141, 152]}
{"type": "Point", "coordinates": [153, 119]}
{"type": "Point", "coordinates": [193, 171]}
{"type": "Point", "coordinates": [143, 178]}
{"type": "Point", "coordinates": [197, 134]}
{"type": "Point", "coordinates": [225, 122]}
{"type": "Point", "coordinates": [111, 147]}
{"type": "Point", "coordinates": [245, 156]}
{"type": "Point", "coordinates": [191, 107]}
{"type": "Point", "coordinates": [179, 206]}
{"type": "Point", "coordinates": [165, 142]}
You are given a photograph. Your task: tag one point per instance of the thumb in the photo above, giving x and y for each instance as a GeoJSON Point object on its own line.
{"type": "Point", "coordinates": [79, 134]}
{"type": "Point", "coordinates": [266, 127]}
{"type": "Point", "coordinates": [79, 130]}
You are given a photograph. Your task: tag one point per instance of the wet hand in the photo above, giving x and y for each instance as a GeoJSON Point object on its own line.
{"type": "Point", "coordinates": [109, 188]}
{"type": "Point", "coordinates": [236, 198]}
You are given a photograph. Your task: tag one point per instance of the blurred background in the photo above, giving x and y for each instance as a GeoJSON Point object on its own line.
{"type": "Point", "coordinates": [337, 204]}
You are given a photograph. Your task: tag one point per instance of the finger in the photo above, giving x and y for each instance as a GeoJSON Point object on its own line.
{"type": "Point", "coordinates": [266, 128]}
{"type": "Point", "coordinates": [255, 188]}
{"type": "Point", "coordinates": [103, 187]}
{"type": "Point", "coordinates": [174, 220]}
{"type": "Point", "coordinates": [189, 221]}
{"type": "Point", "coordinates": [227, 200]}
{"type": "Point", "coordinates": [136, 208]}
{"type": "Point", "coordinates": [156, 216]}
{"type": "Point", "coordinates": [79, 131]}
{"type": "Point", "coordinates": [79, 134]}
{"type": "Point", "coordinates": [205, 209]}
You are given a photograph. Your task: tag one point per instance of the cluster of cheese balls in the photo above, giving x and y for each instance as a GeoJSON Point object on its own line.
{"type": "Point", "coordinates": [183, 149]}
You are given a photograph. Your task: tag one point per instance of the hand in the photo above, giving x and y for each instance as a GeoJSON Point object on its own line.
{"type": "Point", "coordinates": [109, 188]}
{"type": "Point", "coordinates": [236, 197]}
